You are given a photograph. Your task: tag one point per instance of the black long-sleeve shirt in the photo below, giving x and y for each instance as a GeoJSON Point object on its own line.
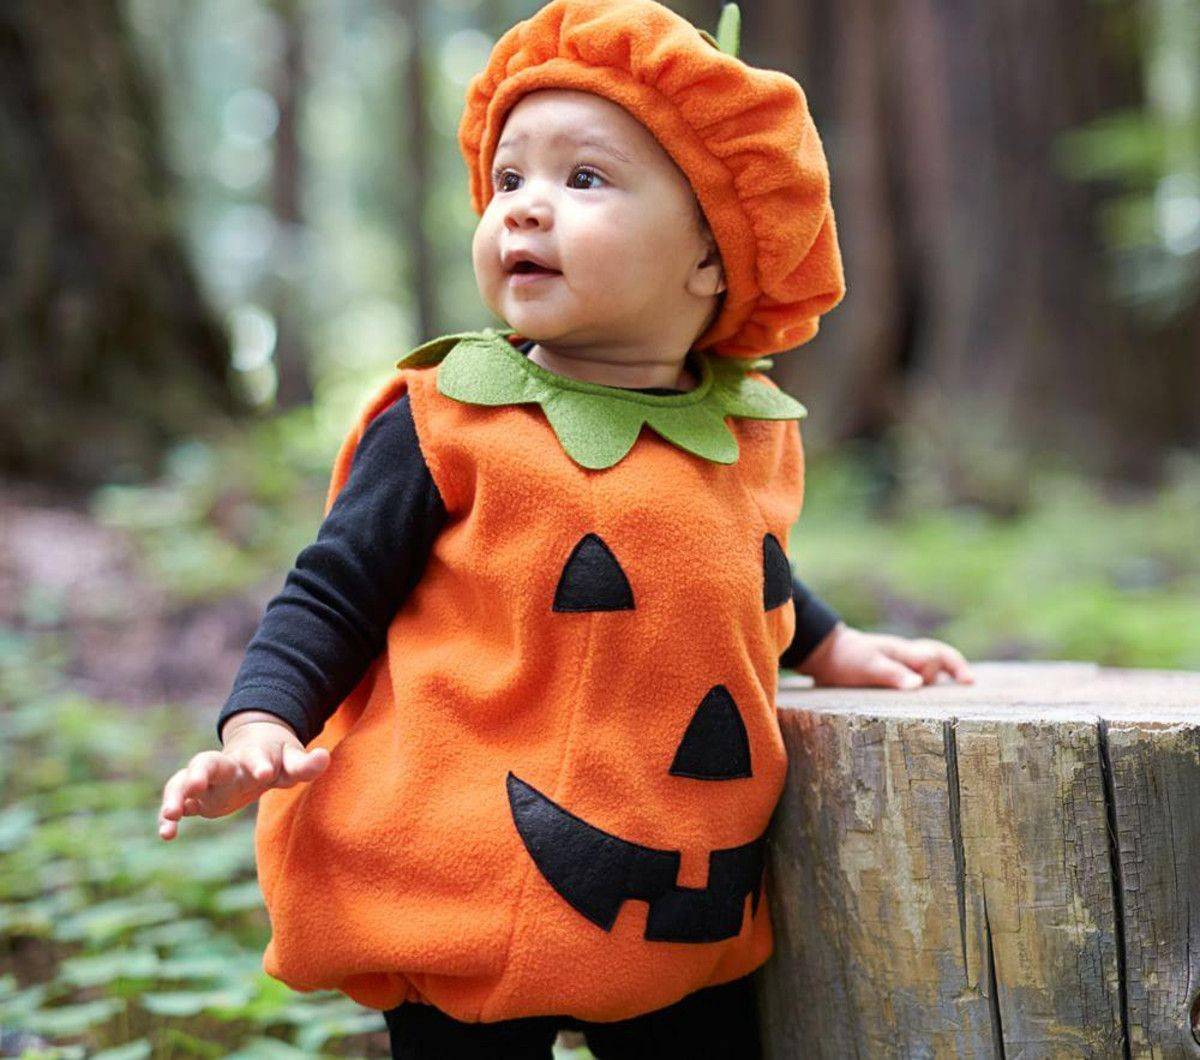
{"type": "Point", "coordinates": [322, 631]}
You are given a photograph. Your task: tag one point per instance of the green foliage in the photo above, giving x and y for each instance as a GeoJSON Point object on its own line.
{"type": "Point", "coordinates": [1152, 153]}
{"type": "Point", "coordinates": [1076, 576]}
{"type": "Point", "coordinates": [227, 512]}
{"type": "Point", "coordinates": [114, 943]}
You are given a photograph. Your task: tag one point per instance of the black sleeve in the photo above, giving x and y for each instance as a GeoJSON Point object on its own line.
{"type": "Point", "coordinates": [329, 622]}
{"type": "Point", "coordinates": [815, 620]}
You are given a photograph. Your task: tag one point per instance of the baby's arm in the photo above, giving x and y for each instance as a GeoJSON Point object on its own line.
{"type": "Point", "coordinates": [322, 631]}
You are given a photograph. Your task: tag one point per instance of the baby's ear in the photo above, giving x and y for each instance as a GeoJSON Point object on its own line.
{"type": "Point", "coordinates": [710, 273]}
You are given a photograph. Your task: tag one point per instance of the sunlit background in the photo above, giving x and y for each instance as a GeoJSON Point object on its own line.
{"type": "Point", "coordinates": [222, 221]}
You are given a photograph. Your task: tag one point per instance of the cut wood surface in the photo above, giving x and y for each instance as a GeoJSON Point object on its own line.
{"type": "Point", "coordinates": [1007, 869]}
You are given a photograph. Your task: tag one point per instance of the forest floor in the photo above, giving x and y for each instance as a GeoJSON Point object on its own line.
{"type": "Point", "coordinates": [126, 636]}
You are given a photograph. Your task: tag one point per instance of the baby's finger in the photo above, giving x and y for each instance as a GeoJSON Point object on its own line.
{"type": "Point", "coordinates": [173, 806]}
{"type": "Point", "coordinates": [929, 658]}
{"type": "Point", "coordinates": [206, 770]}
{"type": "Point", "coordinates": [263, 764]}
{"type": "Point", "coordinates": [914, 656]}
{"type": "Point", "coordinates": [172, 800]}
{"type": "Point", "coordinates": [959, 669]}
{"type": "Point", "coordinates": [889, 673]}
{"type": "Point", "coordinates": [193, 779]}
{"type": "Point", "coordinates": [944, 657]}
{"type": "Point", "coordinates": [302, 766]}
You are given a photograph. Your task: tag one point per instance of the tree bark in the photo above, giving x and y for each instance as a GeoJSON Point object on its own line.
{"type": "Point", "coordinates": [1001, 869]}
{"type": "Point", "coordinates": [107, 348]}
{"type": "Point", "coordinates": [291, 351]}
{"type": "Point", "coordinates": [980, 326]}
{"type": "Point", "coordinates": [415, 172]}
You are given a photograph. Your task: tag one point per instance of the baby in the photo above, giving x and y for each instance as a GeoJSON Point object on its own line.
{"type": "Point", "coordinates": [512, 717]}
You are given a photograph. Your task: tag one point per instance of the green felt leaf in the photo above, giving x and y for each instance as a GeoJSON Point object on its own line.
{"type": "Point", "coordinates": [598, 425]}
{"type": "Point", "coordinates": [594, 432]}
{"type": "Point", "coordinates": [473, 373]}
{"type": "Point", "coordinates": [749, 398]}
{"type": "Point", "coordinates": [701, 431]}
{"type": "Point", "coordinates": [432, 351]}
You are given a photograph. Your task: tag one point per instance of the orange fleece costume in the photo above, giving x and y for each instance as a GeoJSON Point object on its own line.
{"type": "Point", "coordinates": [549, 794]}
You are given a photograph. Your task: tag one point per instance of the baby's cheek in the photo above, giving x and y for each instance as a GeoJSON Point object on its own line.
{"type": "Point", "coordinates": [485, 261]}
{"type": "Point", "coordinates": [482, 243]}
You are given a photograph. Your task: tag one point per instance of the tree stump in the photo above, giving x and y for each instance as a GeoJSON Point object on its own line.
{"type": "Point", "coordinates": [1005, 869]}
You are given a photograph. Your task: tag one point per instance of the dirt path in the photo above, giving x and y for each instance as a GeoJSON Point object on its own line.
{"type": "Point", "coordinates": [124, 638]}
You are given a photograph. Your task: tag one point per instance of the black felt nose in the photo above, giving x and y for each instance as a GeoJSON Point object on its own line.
{"type": "Point", "coordinates": [715, 746]}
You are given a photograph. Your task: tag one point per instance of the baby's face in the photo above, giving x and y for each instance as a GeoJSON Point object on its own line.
{"type": "Point", "coordinates": [606, 224]}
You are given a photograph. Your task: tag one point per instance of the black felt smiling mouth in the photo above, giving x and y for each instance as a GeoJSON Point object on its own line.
{"type": "Point", "coordinates": [597, 872]}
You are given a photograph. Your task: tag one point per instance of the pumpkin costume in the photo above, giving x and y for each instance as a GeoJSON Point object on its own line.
{"type": "Point", "coordinates": [567, 755]}
{"type": "Point", "coordinates": [549, 792]}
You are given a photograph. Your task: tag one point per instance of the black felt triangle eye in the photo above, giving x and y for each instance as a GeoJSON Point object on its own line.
{"type": "Point", "coordinates": [777, 574]}
{"type": "Point", "coordinates": [593, 580]}
{"type": "Point", "coordinates": [715, 746]}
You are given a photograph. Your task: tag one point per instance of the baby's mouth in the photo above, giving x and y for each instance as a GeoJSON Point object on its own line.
{"type": "Point", "coordinates": [526, 268]}
{"type": "Point", "coordinates": [530, 274]}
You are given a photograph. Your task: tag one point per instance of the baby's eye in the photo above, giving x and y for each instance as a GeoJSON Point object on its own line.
{"type": "Point", "coordinates": [505, 180]}
{"type": "Point", "coordinates": [582, 172]}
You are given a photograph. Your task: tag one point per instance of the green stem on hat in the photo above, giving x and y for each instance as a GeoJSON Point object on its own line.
{"type": "Point", "coordinates": [729, 31]}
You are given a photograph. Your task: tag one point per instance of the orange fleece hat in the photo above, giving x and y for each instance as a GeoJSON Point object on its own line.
{"type": "Point", "coordinates": [742, 136]}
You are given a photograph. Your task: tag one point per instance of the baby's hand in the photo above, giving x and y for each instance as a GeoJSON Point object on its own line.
{"type": "Point", "coordinates": [261, 751]}
{"type": "Point", "coordinates": [848, 656]}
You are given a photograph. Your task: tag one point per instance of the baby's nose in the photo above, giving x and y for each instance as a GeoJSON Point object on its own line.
{"type": "Point", "coordinates": [527, 212]}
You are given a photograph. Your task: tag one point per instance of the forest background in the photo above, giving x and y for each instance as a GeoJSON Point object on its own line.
{"type": "Point", "coordinates": [222, 221]}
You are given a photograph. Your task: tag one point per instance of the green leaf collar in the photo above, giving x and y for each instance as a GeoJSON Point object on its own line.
{"type": "Point", "coordinates": [597, 425]}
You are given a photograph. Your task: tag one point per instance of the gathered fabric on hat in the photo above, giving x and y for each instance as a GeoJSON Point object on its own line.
{"type": "Point", "coordinates": [742, 136]}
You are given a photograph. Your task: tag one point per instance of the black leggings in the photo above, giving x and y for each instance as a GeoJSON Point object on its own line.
{"type": "Point", "coordinates": [717, 1023]}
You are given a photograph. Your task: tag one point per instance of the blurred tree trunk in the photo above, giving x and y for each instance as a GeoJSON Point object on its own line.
{"type": "Point", "coordinates": [415, 173]}
{"type": "Point", "coordinates": [291, 352]}
{"type": "Point", "coordinates": [107, 348]}
{"type": "Point", "coordinates": [979, 326]}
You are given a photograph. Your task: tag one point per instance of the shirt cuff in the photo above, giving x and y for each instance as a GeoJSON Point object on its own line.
{"type": "Point", "coordinates": [270, 699]}
{"type": "Point", "coordinates": [815, 620]}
